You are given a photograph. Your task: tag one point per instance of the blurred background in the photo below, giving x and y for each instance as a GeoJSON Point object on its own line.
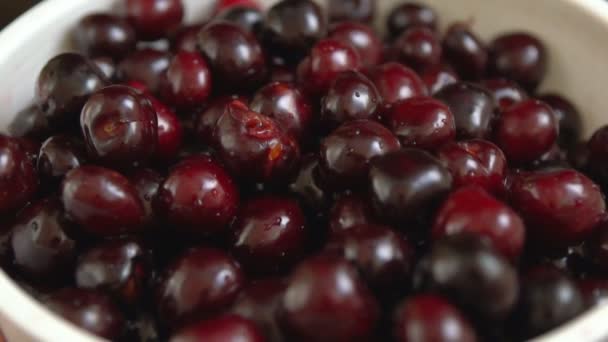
{"type": "Point", "coordinates": [10, 9]}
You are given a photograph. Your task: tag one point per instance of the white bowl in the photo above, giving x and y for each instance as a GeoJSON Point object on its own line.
{"type": "Point", "coordinates": [573, 30]}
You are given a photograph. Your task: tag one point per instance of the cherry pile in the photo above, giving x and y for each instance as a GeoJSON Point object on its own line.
{"type": "Point", "coordinates": [292, 176]}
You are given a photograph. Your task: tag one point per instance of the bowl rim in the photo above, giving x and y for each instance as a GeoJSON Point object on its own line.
{"type": "Point", "coordinates": [35, 320]}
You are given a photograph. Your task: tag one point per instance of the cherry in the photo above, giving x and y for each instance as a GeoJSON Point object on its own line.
{"type": "Point", "coordinates": [207, 120]}
{"type": "Point", "coordinates": [409, 14]}
{"type": "Point", "coordinates": [29, 123]}
{"type": "Point", "coordinates": [560, 206]}
{"type": "Point", "coordinates": [146, 66]}
{"type": "Point", "coordinates": [427, 317]}
{"type": "Point", "coordinates": [198, 197]}
{"type": "Point", "coordinates": [247, 17]}
{"type": "Point", "coordinates": [152, 19]}
{"type": "Point", "coordinates": [106, 65]}
{"type": "Point", "coordinates": [595, 247]}
{"type": "Point", "coordinates": [212, 278]}
{"type": "Point", "coordinates": [307, 185]}
{"type": "Point", "coordinates": [407, 185]}
{"type": "Point", "coordinates": [104, 35]}
{"type": "Point", "coordinates": [349, 211]}
{"type": "Point", "coordinates": [472, 106]}
{"type": "Point", "coordinates": [578, 156]}
{"type": "Point", "coordinates": [147, 182]}
{"type": "Point", "coordinates": [518, 56]}
{"type": "Point", "coordinates": [119, 126]}
{"type": "Point", "coordinates": [103, 202]}
{"type": "Point", "coordinates": [187, 82]}
{"type": "Point", "coordinates": [396, 82]}
{"type": "Point", "coordinates": [186, 38]}
{"type": "Point", "coordinates": [465, 52]}
{"type": "Point", "coordinates": [58, 155]}
{"type": "Point", "coordinates": [64, 85]}
{"type": "Point", "coordinates": [18, 179]}
{"type": "Point", "coordinates": [356, 10]}
{"type": "Point", "coordinates": [221, 329]}
{"type": "Point", "coordinates": [568, 118]}
{"type": "Point", "coordinates": [170, 131]}
{"type": "Point", "coordinates": [506, 93]}
{"type": "Point", "coordinates": [325, 300]}
{"type": "Point", "coordinates": [421, 122]}
{"type": "Point", "coordinates": [284, 103]}
{"type": "Point", "coordinates": [526, 130]}
{"type": "Point", "coordinates": [419, 48]}
{"type": "Point", "coordinates": [225, 4]}
{"type": "Point", "coordinates": [438, 77]}
{"type": "Point", "coordinates": [361, 37]}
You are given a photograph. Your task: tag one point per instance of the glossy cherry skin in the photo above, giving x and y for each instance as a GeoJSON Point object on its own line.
{"type": "Point", "coordinates": [235, 55]}
{"type": "Point", "coordinates": [260, 302]}
{"type": "Point", "coordinates": [40, 247]}
{"type": "Point", "coordinates": [549, 298]}
{"type": "Point", "coordinates": [520, 57]}
{"type": "Point", "coordinates": [103, 202]}
{"type": "Point", "coordinates": [421, 122]}
{"type": "Point", "coordinates": [438, 77]}
{"type": "Point", "coordinates": [526, 130]}
{"type": "Point", "coordinates": [106, 65]}
{"type": "Point", "coordinates": [291, 28]}
{"type": "Point", "coordinates": [29, 123]}
{"type": "Point", "coordinates": [152, 19]}
{"type": "Point", "coordinates": [104, 35]}
{"type": "Point", "coordinates": [225, 4]}
{"type": "Point", "coordinates": [418, 48]}
{"type": "Point", "coordinates": [64, 85]}
{"type": "Point", "coordinates": [284, 103]}
{"type": "Point", "coordinates": [361, 37]}
{"type": "Point", "coordinates": [207, 120]}
{"type": "Point", "coordinates": [253, 146]}
{"type": "Point", "coordinates": [407, 185]}
{"type": "Point", "coordinates": [187, 82]}
{"type": "Point", "coordinates": [352, 96]}
{"type": "Point", "coordinates": [186, 38]}
{"type": "Point", "coordinates": [427, 317]}
{"type": "Point", "coordinates": [198, 197]}
{"type": "Point", "coordinates": [170, 131]}
{"type": "Point", "coordinates": [327, 59]}
{"type": "Point", "coordinates": [247, 17]}
{"type": "Point", "coordinates": [472, 210]}
{"type": "Point", "coordinates": [349, 211]}
{"type": "Point", "coordinates": [120, 267]}
{"type": "Point", "coordinates": [58, 155]}
{"type": "Point", "coordinates": [346, 153]}
{"type": "Point", "coordinates": [307, 184]}
{"type": "Point", "coordinates": [408, 15]}
{"type": "Point", "coordinates": [221, 329]}
{"type": "Point", "coordinates": [568, 117]}
{"type": "Point", "coordinates": [455, 260]}
{"type": "Point", "coordinates": [326, 300]}
{"type": "Point", "coordinates": [475, 162]}
{"type": "Point", "coordinates": [356, 10]}
{"type": "Point", "coordinates": [90, 310]}
{"type": "Point", "coordinates": [396, 82]}
{"type": "Point", "coordinates": [212, 278]}
{"type": "Point", "coordinates": [560, 206]}
{"type": "Point", "coordinates": [146, 66]}
{"type": "Point", "coordinates": [506, 93]}
{"type": "Point", "coordinates": [18, 179]}
{"type": "Point", "coordinates": [472, 106]}
{"type": "Point", "coordinates": [385, 258]}
{"type": "Point", "coordinates": [119, 126]}
{"type": "Point", "coordinates": [465, 52]}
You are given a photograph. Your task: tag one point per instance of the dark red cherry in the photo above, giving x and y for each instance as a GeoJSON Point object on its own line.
{"type": "Point", "coordinates": [438, 77]}
{"type": "Point", "coordinates": [187, 82]}
{"type": "Point", "coordinates": [224, 4]}
{"type": "Point", "coordinates": [520, 57]}
{"type": "Point", "coordinates": [186, 38]}
{"type": "Point", "coordinates": [200, 283]}
{"type": "Point", "coordinates": [407, 186]}
{"type": "Point", "coordinates": [235, 55]}
{"type": "Point", "coordinates": [221, 329]}
{"type": "Point", "coordinates": [526, 130]}
{"type": "Point", "coordinates": [361, 37]}
{"type": "Point", "coordinates": [18, 179]}
{"type": "Point", "coordinates": [465, 52]}
{"type": "Point", "coordinates": [270, 234]}
{"type": "Point", "coordinates": [153, 19]}
{"type": "Point", "coordinates": [578, 156]}
{"type": "Point", "coordinates": [119, 126]}
{"type": "Point", "coordinates": [349, 211]}
{"type": "Point", "coordinates": [120, 267]}
{"type": "Point", "coordinates": [396, 82]}
{"type": "Point", "coordinates": [58, 155]}
{"type": "Point", "coordinates": [247, 17]}
{"type": "Point", "coordinates": [472, 210]}
{"type": "Point", "coordinates": [427, 317]}
{"type": "Point", "coordinates": [103, 202]}
{"type": "Point", "coordinates": [325, 300]}
{"type": "Point", "coordinates": [568, 118]}
{"type": "Point", "coordinates": [410, 14]}
{"type": "Point", "coordinates": [356, 10]}
{"type": "Point", "coordinates": [29, 123]}
{"type": "Point", "coordinates": [64, 85]}
{"type": "Point", "coordinates": [90, 310]}
{"type": "Point", "coordinates": [147, 182]}
{"type": "Point", "coordinates": [40, 247]}
{"type": "Point", "coordinates": [352, 96]}
{"type": "Point", "coordinates": [598, 156]}
{"type": "Point", "coordinates": [346, 153]}
{"type": "Point", "coordinates": [106, 65]}
{"type": "Point", "coordinates": [506, 93]}
{"type": "Point", "coordinates": [307, 185]}
{"type": "Point", "coordinates": [284, 103]}
{"type": "Point", "coordinates": [560, 206]}
{"type": "Point", "coordinates": [421, 122]}
{"type": "Point", "coordinates": [146, 66]}
{"type": "Point", "coordinates": [170, 131]}
{"type": "Point", "coordinates": [254, 147]}
{"type": "Point", "coordinates": [282, 73]}
{"type": "Point", "coordinates": [207, 120]}
{"type": "Point", "coordinates": [596, 246]}
{"type": "Point", "coordinates": [327, 59]}
{"type": "Point", "coordinates": [292, 27]}
{"type": "Point", "coordinates": [472, 106]}
{"type": "Point", "coordinates": [104, 35]}
{"type": "Point", "coordinates": [418, 47]}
